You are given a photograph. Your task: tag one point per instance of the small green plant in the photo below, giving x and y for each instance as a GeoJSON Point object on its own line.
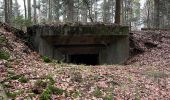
{"type": "Point", "coordinates": [40, 83]}
{"type": "Point", "coordinates": [51, 80]}
{"type": "Point", "coordinates": [76, 94]}
{"type": "Point", "coordinates": [14, 77]}
{"type": "Point", "coordinates": [4, 55]}
{"type": "Point", "coordinates": [6, 85]}
{"type": "Point", "coordinates": [46, 59]}
{"type": "Point", "coordinates": [14, 94]}
{"type": "Point", "coordinates": [46, 95]}
{"type": "Point", "coordinates": [110, 97]}
{"type": "Point", "coordinates": [39, 86]}
{"type": "Point", "coordinates": [2, 40]}
{"type": "Point", "coordinates": [10, 72]}
{"type": "Point", "coordinates": [11, 95]}
{"type": "Point", "coordinates": [8, 65]}
{"type": "Point", "coordinates": [97, 93]}
{"type": "Point", "coordinates": [23, 79]}
{"type": "Point", "coordinates": [55, 90]}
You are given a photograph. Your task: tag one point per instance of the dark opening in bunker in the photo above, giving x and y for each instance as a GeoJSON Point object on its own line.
{"type": "Point", "coordinates": [87, 59]}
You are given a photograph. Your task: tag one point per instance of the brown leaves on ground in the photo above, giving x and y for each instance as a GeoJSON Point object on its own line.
{"type": "Point", "coordinates": [145, 77]}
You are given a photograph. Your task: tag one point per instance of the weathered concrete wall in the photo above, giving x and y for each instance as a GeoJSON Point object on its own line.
{"type": "Point", "coordinates": [110, 42]}
{"type": "Point", "coordinates": [115, 53]}
{"type": "Point", "coordinates": [42, 46]}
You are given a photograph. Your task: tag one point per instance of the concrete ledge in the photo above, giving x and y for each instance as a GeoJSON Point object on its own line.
{"type": "Point", "coordinates": [81, 29]}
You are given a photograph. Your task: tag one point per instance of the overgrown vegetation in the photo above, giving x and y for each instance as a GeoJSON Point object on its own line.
{"type": "Point", "coordinates": [3, 40]}
{"type": "Point", "coordinates": [46, 59]}
{"type": "Point", "coordinates": [46, 88]}
{"type": "Point", "coordinates": [23, 79]}
{"type": "Point", "coordinates": [97, 92]}
{"type": "Point", "coordinates": [19, 22]}
{"type": "Point", "coordinates": [14, 94]}
{"type": "Point", "coordinates": [4, 55]}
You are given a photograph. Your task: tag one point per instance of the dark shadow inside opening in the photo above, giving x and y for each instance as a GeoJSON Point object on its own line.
{"type": "Point", "coordinates": [87, 59]}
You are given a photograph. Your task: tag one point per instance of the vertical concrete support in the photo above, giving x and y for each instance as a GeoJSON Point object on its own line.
{"type": "Point", "coordinates": [45, 48]}
{"type": "Point", "coordinates": [42, 46]}
{"type": "Point", "coordinates": [116, 53]}
{"type": "Point", "coordinates": [59, 56]}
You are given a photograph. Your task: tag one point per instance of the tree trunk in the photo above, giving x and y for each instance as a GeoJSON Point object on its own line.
{"type": "Point", "coordinates": [70, 10]}
{"type": "Point", "coordinates": [29, 9]}
{"type": "Point", "coordinates": [156, 12]}
{"type": "Point", "coordinates": [84, 13]}
{"type": "Point", "coordinates": [49, 11]}
{"type": "Point", "coordinates": [56, 9]}
{"type": "Point", "coordinates": [35, 12]}
{"type": "Point", "coordinates": [118, 12]}
{"type": "Point", "coordinates": [25, 9]}
{"type": "Point", "coordinates": [6, 9]}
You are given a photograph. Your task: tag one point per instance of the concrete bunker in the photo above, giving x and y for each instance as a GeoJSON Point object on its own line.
{"type": "Point", "coordinates": [90, 43]}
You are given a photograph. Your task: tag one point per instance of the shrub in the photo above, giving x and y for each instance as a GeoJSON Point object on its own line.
{"type": "Point", "coordinates": [55, 90]}
{"type": "Point", "coordinates": [39, 86]}
{"type": "Point", "coordinates": [2, 40]}
{"type": "Point", "coordinates": [97, 93]}
{"type": "Point", "coordinates": [51, 80]}
{"type": "Point", "coordinates": [110, 97]}
{"type": "Point", "coordinates": [14, 94]}
{"type": "Point", "coordinates": [46, 59]}
{"type": "Point", "coordinates": [23, 79]}
{"type": "Point", "coordinates": [14, 77]}
{"type": "Point", "coordinates": [4, 55]}
{"type": "Point", "coordinates": [46, 95]}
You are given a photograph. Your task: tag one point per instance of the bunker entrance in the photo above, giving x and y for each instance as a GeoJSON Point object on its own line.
{"type": "Point", "coordinates": [87, 59]}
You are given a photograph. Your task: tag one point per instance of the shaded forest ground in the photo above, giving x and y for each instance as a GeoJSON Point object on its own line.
{"type": "Point", "coordinates": [146, 75]}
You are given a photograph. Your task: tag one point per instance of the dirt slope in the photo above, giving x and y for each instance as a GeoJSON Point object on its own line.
{"type": "Point", "coordinates": [24, 75]}
{"type": "Point", "coordinates": [154, 47]}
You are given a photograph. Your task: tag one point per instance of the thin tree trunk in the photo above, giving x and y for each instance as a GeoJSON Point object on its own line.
{"type": "Point", "coordinates": [118, 12]}
{"type": "Point", "coordinates": [35, 12]}
{"type": "Point", "coordinates": [29, 9]}
{"type": "Point", "coordinates": [25, 9]}
{"type": "Point", "coordinates": [156, 19]}
{"type": "Point", "coordinates": [70, 10]}
{"type": "Point", "coordinates": [6, 9]}
{"type": "Point", "coordinates": [49, 11]}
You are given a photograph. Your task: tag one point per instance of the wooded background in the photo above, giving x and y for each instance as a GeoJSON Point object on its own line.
{"type": "Point", "coordinates": [155, 13]}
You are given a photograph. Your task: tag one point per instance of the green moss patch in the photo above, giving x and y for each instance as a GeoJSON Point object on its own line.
{"type": "Point", "coordinates": [4, 55]}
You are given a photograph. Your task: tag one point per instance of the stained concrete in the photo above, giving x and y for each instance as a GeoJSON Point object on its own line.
{"type": "Point", "coordinates": [110, 42]}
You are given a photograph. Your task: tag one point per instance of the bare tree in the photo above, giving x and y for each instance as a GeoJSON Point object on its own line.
{"type": "Point", "coordinates": [35, 11]}
{"type": "Point", "coordinates": [6, 11]}
{"type": "Point", "coordinates": [49, 10]}
{"type": "Point", "coordinates": [118, 12]}
{"type": "Point", "coordinates": [25, 9]}
{"type": "Point", "coordinates": [29, 9]}
{"type": "Point", "coordinates": [156, 12]}
{"type": "Point", "coordinates": [88, 6]}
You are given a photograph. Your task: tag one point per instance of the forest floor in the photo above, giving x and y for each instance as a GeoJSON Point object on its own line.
{"type": "Point", "coordinates": [24, 74]}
